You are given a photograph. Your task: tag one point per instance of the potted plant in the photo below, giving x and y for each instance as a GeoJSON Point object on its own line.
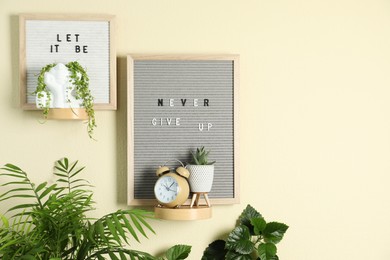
{"type": "Point", "coordinates": [63, 93]}
{"type": "Point", "coordinates": [252, 238]}
{"type": "Point", "coordinates": [201, 171]}
{"type": "Point", "coordinates": [52, 223]}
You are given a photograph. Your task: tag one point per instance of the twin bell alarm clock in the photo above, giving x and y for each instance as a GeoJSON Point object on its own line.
{"type": "Point", "coordinates": [172, 189]}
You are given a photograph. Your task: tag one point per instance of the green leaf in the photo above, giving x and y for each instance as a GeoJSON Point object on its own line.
{"type": "Point", "coordinates": [62, 170]}
{"type": "Point", "coordinates": [18, 196]}
{"type": "Point", "coordinates": [41, 186]}
{"type": "Point", "coordinates": [178, 252]}
{"type": "Point", "coordinates": [141, 218]}
{"type": "Point", "coordinates": [215, 251]}
{"type": "Point", "coordinates": [62, 164]}
{"type": "Point", "coordinates": [13, 167]}
{"type": "Point", "coordinates": [231, 255]}
{"type": "Point", "coordinates": [119, 227]}
{"type": "Point", "coordinates": [100, 257]}
{"type": "Point", "coordinates": [274, 232]}
{"type": "Point", "coordinates": [122, 255]}
{"type": "Point", "coordinates": [258, 224]}
{"type": "Point", "coordinates": [113, 230]}
{"type": "Point", "coordinates": [77, 172]}
{"type": "Point", "coordinates": [47, 191]}
{"type": "Point", "coordinates": [246, 216]}
{"type": "Point", "coordinates": [130, 228]}
{"type": "Point", "coordinates": [267, 251]}
{"type": "Point", "coordinates": [138, 226]}
{"type": "Point", "coordinates": [22, 206]}
{"type": "Point", "coordinates": [73, 165]}
{"type": "Point", "coordinates": [112, 256]}
{"type": "Point", "coordinates": [66, 162]}
{"type": "Point", "coordinates": [14, 190]}
{"type": "Point", "coordinates": [239, 240]}
{"type": "Point", "coordinates": [100, 231]}
{"type": "Point", "coordinates": [4, 220]}
{"type": "Point", "coordinates": [30, 257]}
{"type": "Point", "coordinates": [17, 183]}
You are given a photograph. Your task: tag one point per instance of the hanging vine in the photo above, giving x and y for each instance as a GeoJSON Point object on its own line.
{"type": "Point", "coordinates": [79, 79]}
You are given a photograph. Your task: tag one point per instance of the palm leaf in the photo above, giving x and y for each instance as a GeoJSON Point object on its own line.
{"type": "Point", "coordinates": [47, 191]}
{"type": "Point", "coordinates": [12, 191]}
{"type": "Point", "coordinates": [40, 187]}
{"type": "Point", "coordinates": [113, 231]}
{"type": "Point", "coordinates": [74, 165]}
{"type": "Point", "coordinates": [55, 225]}
{"type": "Point", "coordinates": [129, 227]}
{"type": "Point", "coordinates": [60, 169]}
{"type": "Point", "coordinates": [22, 206]}
{"type": "Point", "coordinates": [76, 172]}
{"type": "Point", "coordinates": [138, 225]}
{"type": "Point", "coordinates": [133, 254]}
{"type": "Point", "coordinates": [119, 227]}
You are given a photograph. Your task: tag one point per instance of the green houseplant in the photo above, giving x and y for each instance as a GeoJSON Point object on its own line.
{"type": "Point", "coordinates": [70, 83]}
{"type": "Point", "coordinates": [52, 222]}
{"type": "Point", "coordinates": [201, 157]}
{"type": "Point", "coordinates": [201, 171]}
{"type": "Point", "coordinates": [252, 238]}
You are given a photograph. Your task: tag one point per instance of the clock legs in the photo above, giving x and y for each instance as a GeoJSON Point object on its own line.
{"type": "Point", "coordinates": [196, 197]}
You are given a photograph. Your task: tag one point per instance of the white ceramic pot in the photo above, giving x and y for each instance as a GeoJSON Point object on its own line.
{"type": "Point", "coordinates": [201, 177]}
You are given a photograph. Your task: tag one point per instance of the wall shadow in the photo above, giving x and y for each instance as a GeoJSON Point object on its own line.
{"type": "Point", "coordinates": [121, 130]}
{"type": "Point", "coordinates": [14, 39]}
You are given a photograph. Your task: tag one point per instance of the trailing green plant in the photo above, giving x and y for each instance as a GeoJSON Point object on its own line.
{"type": "Point", "coordinates": [79, 78]}
{"type": "Point", "coordinates": [200, 157]}
{"type": "Point", "coordinates": [52, 222]}
{"type": "Point", "coordinates": [252, 238]}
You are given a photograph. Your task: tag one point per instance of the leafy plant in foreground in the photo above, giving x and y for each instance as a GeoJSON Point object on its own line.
{"type": "Point", "coordinates": [253, 238]}
{"type": "Point", "coordinates": [52, 223]}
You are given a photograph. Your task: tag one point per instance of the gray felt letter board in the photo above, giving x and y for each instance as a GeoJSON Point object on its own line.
{"type": "Point", "coordinates": [176, 104]}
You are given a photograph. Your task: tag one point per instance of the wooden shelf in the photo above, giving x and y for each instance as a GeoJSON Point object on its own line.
{"type": "Point", "coordinates": [183, 213]}
{"type": "Point", "coordinates": [67, 114]}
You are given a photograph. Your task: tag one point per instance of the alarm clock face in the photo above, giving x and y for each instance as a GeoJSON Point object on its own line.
{"type": "Point", "coordinates": [166, 189]}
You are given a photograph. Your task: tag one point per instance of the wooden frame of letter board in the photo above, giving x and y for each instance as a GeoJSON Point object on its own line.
{"type": "Point", "coordinates": [110, 19]}
{"type": "Point", "coordinates": [130, 124]}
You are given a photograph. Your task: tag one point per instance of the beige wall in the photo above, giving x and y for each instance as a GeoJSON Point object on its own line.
{"type": "Point", "coordinates": [314, 115]}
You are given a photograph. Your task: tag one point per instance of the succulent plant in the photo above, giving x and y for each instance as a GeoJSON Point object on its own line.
{"type": "Point", "coordinates": [200, 157]}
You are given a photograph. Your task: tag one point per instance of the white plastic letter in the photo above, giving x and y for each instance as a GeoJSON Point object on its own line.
{"type": "Point", "coordinates": [200, 126]}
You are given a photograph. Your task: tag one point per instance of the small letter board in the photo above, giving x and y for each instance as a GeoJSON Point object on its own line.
{"type": "Point", "coordinates": [88, 39]}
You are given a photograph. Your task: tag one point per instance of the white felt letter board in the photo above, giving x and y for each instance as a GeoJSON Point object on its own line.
{"type": "Point", "coordinates": [88, 39]}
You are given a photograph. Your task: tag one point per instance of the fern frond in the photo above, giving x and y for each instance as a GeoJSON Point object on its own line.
{"type": "Point", "coordinates": [66, 173]}
{"type": "Point", "coordinates": [123, 253]}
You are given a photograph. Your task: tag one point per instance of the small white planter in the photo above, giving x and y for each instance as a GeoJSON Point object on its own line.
{"type": "Point", "coordinates": [201, 177]}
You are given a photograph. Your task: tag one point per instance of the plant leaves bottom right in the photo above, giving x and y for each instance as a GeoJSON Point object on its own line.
{"type": "Point", "coordinates": [252, 238]}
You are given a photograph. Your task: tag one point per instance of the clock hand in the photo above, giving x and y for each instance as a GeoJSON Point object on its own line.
{"type": "Point", "coordinates": [169, 188]}
{"type": "Point", "coordinates": [166, 187]}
